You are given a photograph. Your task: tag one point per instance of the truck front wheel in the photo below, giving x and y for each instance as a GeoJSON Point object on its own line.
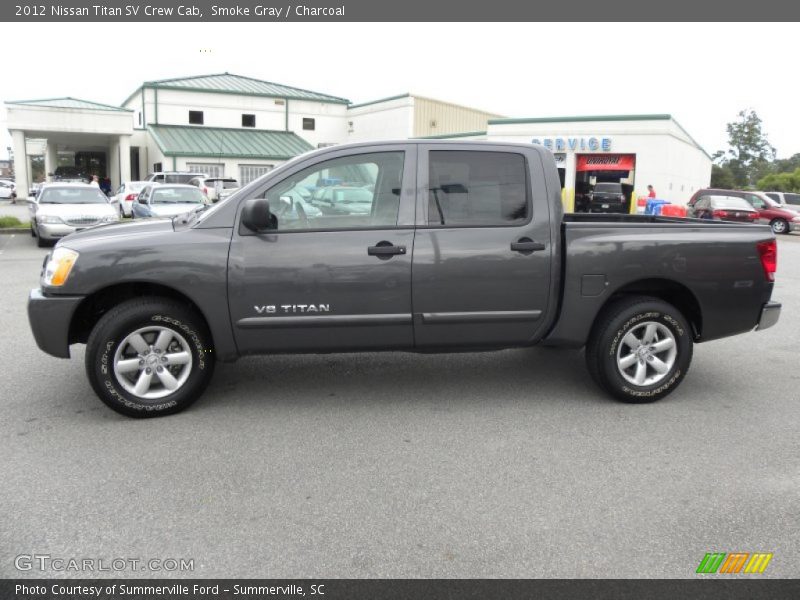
{"type": "Point", "coordinates": [149, 357]}
{"type": "Point", "coordinates": [640, 349]}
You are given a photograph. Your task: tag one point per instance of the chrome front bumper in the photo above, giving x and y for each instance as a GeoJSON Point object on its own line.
{"type": "Point", "coordinates": [770, 313]}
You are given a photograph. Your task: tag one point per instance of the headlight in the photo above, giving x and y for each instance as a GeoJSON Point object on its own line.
{"type": "Point", "coordinates": [48, 219]}
{"type": "Point", "coordinates": [59, 266]}
{"type": "Point", "coordinates": [109, 219]}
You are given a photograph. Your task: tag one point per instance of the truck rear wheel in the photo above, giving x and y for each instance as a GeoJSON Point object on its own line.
{"type": "Point", "coordinates": [640, 349]}
{"type": "Point", "coordinates": [149, 357]}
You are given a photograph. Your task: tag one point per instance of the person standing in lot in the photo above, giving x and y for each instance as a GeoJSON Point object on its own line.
{"type": "Point", "coordinates": [651, 191]}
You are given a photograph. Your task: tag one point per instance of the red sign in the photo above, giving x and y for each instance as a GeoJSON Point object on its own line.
{"type": "Point", "coordinates": [606, 162]}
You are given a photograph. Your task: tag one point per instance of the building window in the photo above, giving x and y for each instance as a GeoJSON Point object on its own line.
{"type": "Point", "coordinates": [195, 117]}
{"type": "Point", "coordinates": [157, 168]}
{"type": "Point", "coordinates": [140, 118]}
{"type": "Point", "coordinates": [248, 173]}
{"type": "Point", "coordinates": [309, 124]}
{"type": "Point", "coordinates": [208, 169]}
{"type": "Point", "coordinates": [248, 120]}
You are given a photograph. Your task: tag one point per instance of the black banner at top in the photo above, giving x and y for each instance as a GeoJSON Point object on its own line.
{"type": "Point", "coordinates": [396, 10]}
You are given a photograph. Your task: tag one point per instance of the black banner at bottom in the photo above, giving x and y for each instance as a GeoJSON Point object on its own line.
{"type": "Point", "coordinates": [391, 589]}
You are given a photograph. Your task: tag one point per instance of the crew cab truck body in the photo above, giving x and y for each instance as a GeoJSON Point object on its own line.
{"type": "Point", "coordinates": [464, 247]}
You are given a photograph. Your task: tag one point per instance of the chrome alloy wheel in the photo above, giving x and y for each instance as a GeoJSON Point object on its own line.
{"type": "Point", "coordinates": [647, 353]}
{"type": "Point", "coordinates": [152, 362]}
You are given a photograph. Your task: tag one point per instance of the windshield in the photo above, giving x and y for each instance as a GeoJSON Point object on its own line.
{"type": "Point", "coordinates": [608, 187]}
{"type": "Point", "coordinates": [65, 195]}
{"type": "Point", "coordinates": [177, 196]}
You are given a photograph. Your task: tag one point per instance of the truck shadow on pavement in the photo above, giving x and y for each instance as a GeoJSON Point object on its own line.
{"type": "Point", "coordinates": [538, 375]}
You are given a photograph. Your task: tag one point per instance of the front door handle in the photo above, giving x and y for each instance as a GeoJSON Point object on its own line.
{"type": "Point", "coordinates": [526, 246]}
{"type": "Point", "coordinates": [385, 250]}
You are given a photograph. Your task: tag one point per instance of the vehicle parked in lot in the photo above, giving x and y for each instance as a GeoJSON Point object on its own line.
{"type": "Point", "coordinates": [70, 174]}
{"type": "Point", "coordinates": [8, 190]}
{"type": "Point", "coordinates": [607, 198]}
{"type": "Point", "coordinates": [787, 199]}
{"type": "Point", "coordinates": [343, 200]}
{"type": "Point", "coordinates": [779, 218]}
{"type": "Point", "coordinates": [496, 264]}
{"type": "Point", "coordinates": [167, 201]}
{"type": "Point", "coordinates": [215, 188]}
{"type": "Point", "coordinates": [34, 189]}
{"type": "Point", "coordinates": [126, 195]}
{"type": "Point", "coordinates": [64, 208]}
{"type": "Point", "coordinates": [723, 208]}
{"type": "Point", "coordinates": [173, 176]}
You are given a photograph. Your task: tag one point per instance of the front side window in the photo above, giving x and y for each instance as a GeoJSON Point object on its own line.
{"type": "Point", "coordinates": [469, 188]}
{"type": "Point", "coordinates": [755, 201]}
{"type": "Point", "coordinates": [342, 193]}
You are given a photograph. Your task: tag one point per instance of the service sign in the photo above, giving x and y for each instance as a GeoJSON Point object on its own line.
{"type": "Point", "coordinates": [575, 144]}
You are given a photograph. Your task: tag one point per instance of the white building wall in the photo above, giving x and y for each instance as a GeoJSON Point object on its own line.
{"type": "Point", "coordinates": [330, 126]}
{"type": "Point", "coordinates": [388, 120]}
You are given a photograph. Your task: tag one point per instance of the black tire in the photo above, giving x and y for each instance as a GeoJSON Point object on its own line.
{"type": "Point", "coordinates": [33, 233]}
{"type": "Point", "coordinates": [41, 243]}
{"type": "Point", "coordinates": [779, 226]}
{"type": "Point", "coordinates": [606, 346]}
{"type": "Point", "coordinates": [113, 329]}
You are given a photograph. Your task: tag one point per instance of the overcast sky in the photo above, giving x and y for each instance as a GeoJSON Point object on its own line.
{"type": "Point", "coordinates": [702, 74]}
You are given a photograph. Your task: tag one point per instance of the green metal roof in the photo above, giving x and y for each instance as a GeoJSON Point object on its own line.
{"type": "Point", "coordinates": [68, 102]}
{"type": "Point", "coordinates": [228, 83]}
{"type": "Point", "coordinates": [581, 119]}
{"type": "Point", "coordinates": [185, 140]}
{"type": "Point", "coordinates": [447, 136]}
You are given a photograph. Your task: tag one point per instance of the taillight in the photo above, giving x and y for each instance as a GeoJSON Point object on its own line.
{"type": "Point", "coordinates": [130, 197]}
{"type": "Point", "coordinates": [753, 216]}
{"type": "Point", "coordinates": [768, 252]}
{"type": "Point", "coordinates": [205, 190]}
{"type": "Point", "coordinates": [720, 214]}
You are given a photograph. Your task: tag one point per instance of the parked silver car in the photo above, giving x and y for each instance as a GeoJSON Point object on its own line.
{"type": "Point", "coordinates": [167, 201]}
{"type": "Point", "coordinates": [63, 208]}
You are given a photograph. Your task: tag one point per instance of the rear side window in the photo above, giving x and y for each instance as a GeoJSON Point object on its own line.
{"type": "Point", "coordinates": [792, 198]}
{"type": "Point", "coordinates": [477, 189]}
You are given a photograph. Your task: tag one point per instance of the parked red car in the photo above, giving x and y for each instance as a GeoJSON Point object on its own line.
{"type": "Point", "coordinates": [782, 220]}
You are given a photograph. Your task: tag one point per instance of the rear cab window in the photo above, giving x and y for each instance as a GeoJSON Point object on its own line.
{"type": "Point", "coordinates": [477, 189]}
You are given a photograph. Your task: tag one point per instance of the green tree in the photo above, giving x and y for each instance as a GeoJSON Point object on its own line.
{"type": "Point", "coordinates": [722, 177]}
{"type": "Point", "coordinates": [781, 182]}
{"type": "Point", "coordinates": [749, 151]}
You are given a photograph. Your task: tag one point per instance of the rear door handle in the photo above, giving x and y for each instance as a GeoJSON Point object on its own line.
{"type": "Point", "coordinates": [385, 249]}
{"type": "Point", "coordinates": [526, 245]}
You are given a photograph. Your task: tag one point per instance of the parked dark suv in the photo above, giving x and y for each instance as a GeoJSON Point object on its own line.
{"type": "Point", "coordinates": [607, 197]}
{"type": "Point", "coordinates": [782, 220]}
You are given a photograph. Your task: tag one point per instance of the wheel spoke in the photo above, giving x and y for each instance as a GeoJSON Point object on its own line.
{"type": "Point", "coordinates": [167, 379]}
{"type": "Point", "coordinates": [128, 365]}
{"type": "Point", "coordinates": [143, 383]}
{"type": "Point", "coordinates": [659, 365]}
{"type": "Point", "coordinates": [631, 341]}
{"type": "Point", "coordinates": [649, 333]}
{"type": "Point", "coordinates": [164, 338]}
{"type": "Point", "coordinates": [138, 343]}
{"type": "Point", "coordinates": [662, 345]}
{"type": "Point", "coordinates": [641, 373]}
{"type": "Point", "coordinates": [179, 358]}
{"type": "Point", "coordinates": [627, 361]}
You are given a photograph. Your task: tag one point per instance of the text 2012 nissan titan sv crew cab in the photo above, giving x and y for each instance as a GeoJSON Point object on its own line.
{"type": "Point", "coordinates": [447, 246]}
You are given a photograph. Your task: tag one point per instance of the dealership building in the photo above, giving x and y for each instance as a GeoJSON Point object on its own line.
{"type": "Point", "coordinates": [235, 126]}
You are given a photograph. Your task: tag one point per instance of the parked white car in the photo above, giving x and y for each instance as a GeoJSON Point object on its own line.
{"type": "Point", "coordinates": [215, 188]}
{"type": "Point", "coordinates": [8, 190]}
{"type": "Point", "coordinates": [63, 208]}
{"type": "Point", "coordinates": [126, 195]}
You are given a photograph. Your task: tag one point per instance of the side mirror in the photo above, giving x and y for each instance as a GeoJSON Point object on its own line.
{"type": "Point", "coordinates": [256, 215]}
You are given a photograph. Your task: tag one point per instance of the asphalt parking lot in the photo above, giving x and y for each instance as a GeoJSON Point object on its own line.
{"type": "Point", "coordinates": [506, 464]}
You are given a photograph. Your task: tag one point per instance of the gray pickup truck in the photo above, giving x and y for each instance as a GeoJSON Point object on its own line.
{"type": "Point", "coordinates": [418, 246]}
